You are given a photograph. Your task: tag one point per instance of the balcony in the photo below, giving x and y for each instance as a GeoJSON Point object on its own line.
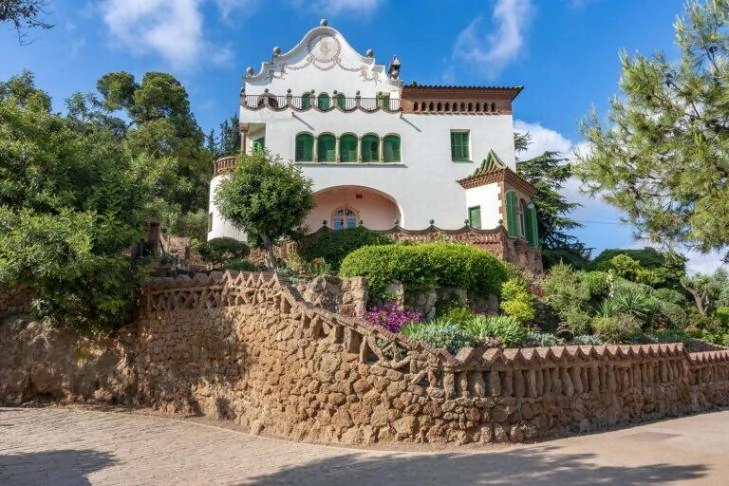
{"type": "Point", "coordinates": [316, 103]}
{"type": "Point", "coordinates": [224, 164]}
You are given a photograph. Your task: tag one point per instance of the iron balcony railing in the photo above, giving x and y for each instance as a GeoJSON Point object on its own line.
{"type": "Point", "coordinates": [319, 103]}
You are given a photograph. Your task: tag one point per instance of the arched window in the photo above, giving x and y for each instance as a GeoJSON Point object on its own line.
{"type": "Point", "coordinates": [304, 147]}
{"type": "Point", "coordinates": [415, 106]}
{"type": "Point", "coordinates": [493, 107]}
{"type": "Point", "coordinates": [341, 101]}
{"type": "Point", "coordinates": [447, 106]}
{"type": "Point", "coordinates": [370, 148]}
{"type": "Point", "coordinates": [306, 101]}
{"type": "Point", "coordinates": [323, 101]}
{"type": "Point", "coordinates": [391, 148]}
{"type": "Point", "coordinates": [344, 218]}
{"type": "Point", "coordinates": [348, 148]}
{"type": "Point", "coordinates": [478, 107]}
{"type": "Point", "coordinates": [326, 148]}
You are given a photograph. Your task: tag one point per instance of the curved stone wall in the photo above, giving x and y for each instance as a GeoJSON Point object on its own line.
{"type": "Point", "coordinates": [248, 348]}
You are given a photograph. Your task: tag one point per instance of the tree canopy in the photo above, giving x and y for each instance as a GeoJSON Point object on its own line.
{"type": "Point", "coordinates": [23, 14]}
{"type": "Point", "coordinates": [265, 196]}
{"type": "Point", "coordinates": [72, 200]}
{"type": "Point", "coordinates": [663, 158]}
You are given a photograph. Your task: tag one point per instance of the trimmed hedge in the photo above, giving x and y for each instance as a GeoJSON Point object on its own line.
{"type": "Point", "coordinates": [425, 266]}
{"type": "Point", "coordinates": [333, 246]}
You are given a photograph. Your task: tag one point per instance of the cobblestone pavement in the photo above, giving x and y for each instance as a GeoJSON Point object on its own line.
{"type": "Point", "coordinates": [61, 446]}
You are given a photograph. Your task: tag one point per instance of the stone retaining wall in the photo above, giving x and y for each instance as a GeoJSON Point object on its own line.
{"type": "Point", "coordinates": [247, 347]}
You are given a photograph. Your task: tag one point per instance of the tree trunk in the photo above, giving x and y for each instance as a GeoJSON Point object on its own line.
{"type": "Point", "coordinates": [268, 246]}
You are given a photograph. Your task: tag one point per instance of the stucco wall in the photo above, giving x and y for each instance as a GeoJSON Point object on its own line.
{"type": "Point", "coordinates": [247, 348]}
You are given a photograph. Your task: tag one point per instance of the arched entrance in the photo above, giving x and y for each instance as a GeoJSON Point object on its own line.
{"type": "Point", "coordinates": [348, 206]}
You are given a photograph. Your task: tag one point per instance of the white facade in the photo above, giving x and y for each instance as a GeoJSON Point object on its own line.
{"type": "Point", "coordinates": [416, 189]}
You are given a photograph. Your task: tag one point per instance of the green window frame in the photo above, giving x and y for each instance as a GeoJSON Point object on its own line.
{"type": "Point", "coordinates": [512, 216]}
{"type": "Point", "coordinates": [460, 145]}
{"type": "Point", "coordinates": [323, 101]}
{"type": "Point", "coordinates": [306, 101]}
{"type": "Point", "coordinates": [532, 225]}
{"type": "Point", "coordinates": [326, 148]}
{"type": "Point", "coordinates": [341, 101]}
{"type": "Point", "coordinates": [474, 217]}
{"type": "Point", "coordinates": [391, 148]}
{"type": "Point", "coordinates": [304, 147]}
{"type": "Point", "coordinates": [370, 148]}
{"type": "Point", "coordinates": [348, 148]}
{"type": "Point", "coordinates": [259, 144]}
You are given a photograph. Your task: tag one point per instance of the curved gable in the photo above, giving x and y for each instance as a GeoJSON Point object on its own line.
{"type": "Point", "coordinates": [325, 61]}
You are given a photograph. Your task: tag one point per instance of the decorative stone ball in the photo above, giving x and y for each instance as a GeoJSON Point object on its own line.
{"type": "Point", "coordinates": [249, 71]}
{"type": "Point", "coordinates": [277, 51]}
{"type": "Point", "coordinates": [370, 53]}
{"type": "Point", "coordinates": [323, 22]}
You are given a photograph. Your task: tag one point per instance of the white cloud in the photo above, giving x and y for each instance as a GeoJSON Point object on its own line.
{"type": "Point", "coordinates": [171, 29]}
{"type": "Point", "coordinates": [542, 139]}
{"type": "Point", "coordinates": [228, 7]}
{"type": "Point", "coordinates": [491, 52]}
{"type": "Point", "coordinates": [335, 7]}
{"type": "Point", "coordinates": [223, 57]}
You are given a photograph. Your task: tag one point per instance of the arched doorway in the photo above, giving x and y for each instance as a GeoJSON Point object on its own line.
{"type": "Point", "coordinates": [349, 206]}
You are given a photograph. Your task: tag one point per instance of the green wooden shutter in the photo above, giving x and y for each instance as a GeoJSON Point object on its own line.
{"type": "Point", "coordinates": [341, 101]}
{"type": "Point", "coordinates": [474, 217]}
{"type": "Point", "coordinates": [370, 148]}
{"type": "Point", "coordinates": [323, 101]}
{"type": "Point", "coordinates": [348, 148]}
{"type": "Point", "coordinates": [326, 148]}
{"type": "Point", "coordinates": [512, 216]}
{"type": "Point", "coordinates": [304, 148]}
{"type": "Point", "coordinates": [459, 146]}
{"type": "Point", "coordinates": [391, 148]}
{"type": "Point", "coordinates": [305, 101]}
{"type": "Point", "coordinates": [532, 233]}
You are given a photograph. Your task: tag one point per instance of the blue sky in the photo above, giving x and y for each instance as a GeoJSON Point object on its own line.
{"type": "Point", "coordinates": [564, 52]}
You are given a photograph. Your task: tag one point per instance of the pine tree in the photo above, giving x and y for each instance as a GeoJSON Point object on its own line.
{"type": "Point", "coordinates": [664, 156]}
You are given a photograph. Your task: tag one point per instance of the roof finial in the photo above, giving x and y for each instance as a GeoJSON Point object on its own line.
{"type": "Point", "coordinates": [370, 53]}
{"type": "Point", "coordinates": [394, 69]}
{"type": "Point", "coordinates": [324, 22]}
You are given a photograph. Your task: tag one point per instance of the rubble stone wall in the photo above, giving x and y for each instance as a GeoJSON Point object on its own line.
{"type": "Point", "coordinates": [249, 348]}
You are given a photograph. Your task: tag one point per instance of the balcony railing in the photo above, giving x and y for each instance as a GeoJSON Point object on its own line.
{"type": "Point", "coordinates": [225, 164]}
{"type": "Point", "coordinates": [333, 103]}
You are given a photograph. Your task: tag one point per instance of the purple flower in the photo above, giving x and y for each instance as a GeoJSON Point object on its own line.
{"type": "Point", "coordinates": [391, 318]}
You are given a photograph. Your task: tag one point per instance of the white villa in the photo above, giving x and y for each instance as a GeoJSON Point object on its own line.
{"type": "Point", "coordinates": [414, 160]}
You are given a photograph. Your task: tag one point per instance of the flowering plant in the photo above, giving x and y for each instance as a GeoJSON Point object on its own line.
{"type": "Point", "coordinates": [392, 318]}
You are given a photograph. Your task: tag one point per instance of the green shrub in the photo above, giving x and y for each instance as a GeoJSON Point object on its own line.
{"type": "Point", "coordinates": [543, 339]}
{"type": "Point", "coordinates": [220, 250]}
{"type": "Point", "coordinates": [242, 265]}
{"type": "Point", "coordinates": [516, 301]}
{"type": "Point", "coordinates": [616, 329]}
{"type": "Point", "coordinates": [439, 334]}
{"type": "Point", "coordinates": [458, 315]}
{"type": "Point", "coordinates": [587, 340]}
{"type": "Point", "coordinates": [425, 266]}
{"type": "Point", "coordinates": [723, 314]}
{"type": "Point", "coordinates": [333, 246]}
{"type": "Point", "coordinates": [675, 314]}
{"type": "Point", "coordinates": [575, 321]}
{"type": "Point", "coordinates": [597, 284]}
{"type": "Point", "coordinates": [670, 295]}
{"type": "Point", "coordinates": [508, 330]}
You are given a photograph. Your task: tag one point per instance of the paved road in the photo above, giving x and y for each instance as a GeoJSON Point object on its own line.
{"type": "Point", "coordinates": [60, 447]}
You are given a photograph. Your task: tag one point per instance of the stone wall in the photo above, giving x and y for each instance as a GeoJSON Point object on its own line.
{"type": "Point", "coordinates": [249, 348]}
{"type": "Point", "coordinates": [16, 300]}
